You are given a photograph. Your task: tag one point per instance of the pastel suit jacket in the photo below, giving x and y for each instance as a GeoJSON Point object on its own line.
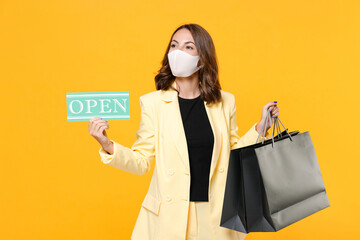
{"type": "Point", "coordinates": [164, 211]}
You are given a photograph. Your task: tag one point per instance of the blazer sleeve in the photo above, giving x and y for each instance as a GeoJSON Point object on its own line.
{"type": "Point", "coordinates": [138, 158]}
{"type": "Point", "coordinates": [248, 138]}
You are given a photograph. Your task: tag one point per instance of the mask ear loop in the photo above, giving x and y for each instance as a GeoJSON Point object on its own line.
{"type": "Point", "coordinates": [200, 82]}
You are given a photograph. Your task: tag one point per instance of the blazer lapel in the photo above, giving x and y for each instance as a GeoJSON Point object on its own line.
{"type": "Point", "coordinates": [173, 116]}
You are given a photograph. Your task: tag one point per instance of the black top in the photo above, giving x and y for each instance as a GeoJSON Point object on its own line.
{"type": "Point", "coordinates": [200, 142]}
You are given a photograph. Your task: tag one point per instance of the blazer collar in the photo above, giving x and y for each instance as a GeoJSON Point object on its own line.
{"type": "Point", "coordinates": [171, 95]}
{"type": "Point", "coordinates": [214, 112]}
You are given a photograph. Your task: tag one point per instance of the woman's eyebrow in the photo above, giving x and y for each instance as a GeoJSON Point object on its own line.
{"type": "Point", "coordinates": [185, 42]}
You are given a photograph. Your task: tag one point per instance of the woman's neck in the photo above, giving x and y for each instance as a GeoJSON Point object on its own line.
{"type": "Point", "coordinates": [188, 87]}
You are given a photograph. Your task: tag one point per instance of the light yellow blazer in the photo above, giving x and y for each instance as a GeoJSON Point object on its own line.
{"type": "Point", "coordinates": [161, 136]}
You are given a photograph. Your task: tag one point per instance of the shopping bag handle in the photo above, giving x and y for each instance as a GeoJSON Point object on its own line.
{"type": "Point", "coordinates": [276, 123]}
{"type": "Point", "coordinates": [277, 120]}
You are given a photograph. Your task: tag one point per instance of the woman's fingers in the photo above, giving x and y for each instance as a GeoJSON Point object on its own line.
{"type": "Point", "coordinates": [276, 113]}
{"type": "Point", "coordinates": [269, 104]}
{"type": "Point", "coordinates": [274, 109]}
{"type": "Point", "coordinates": [96, 129]}
{"type": "Point", "coordinates": [101, 131]}
{"type": "Point", "coordinates": [97, 126]}
{"type": "Point", "coordinates": [92, 123]}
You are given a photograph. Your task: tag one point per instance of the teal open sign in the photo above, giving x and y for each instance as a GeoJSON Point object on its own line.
{"type": "Point", "coordinates": [82, 106]}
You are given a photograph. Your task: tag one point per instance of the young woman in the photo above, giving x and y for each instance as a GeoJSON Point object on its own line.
{"type": "Point", "coordinates": [189, 126]}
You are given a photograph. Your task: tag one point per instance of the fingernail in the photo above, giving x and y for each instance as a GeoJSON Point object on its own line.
{"type": "Point", "coordinates": [275, 101]}
{"type": "Point", "coordinates": [100, 118]}
{"type": "Point", "coordinates": [105, 121]}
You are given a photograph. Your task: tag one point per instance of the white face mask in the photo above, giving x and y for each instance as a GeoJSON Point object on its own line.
{"type": "Point", "coordinates": [182, 64]}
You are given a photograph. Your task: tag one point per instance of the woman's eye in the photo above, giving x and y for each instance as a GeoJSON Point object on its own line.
{"type": "Point", "coordinates": [189, 47]}
{"type": "Point", "coordinates": [172, 45]}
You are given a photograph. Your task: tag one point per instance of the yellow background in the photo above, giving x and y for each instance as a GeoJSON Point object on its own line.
{"type": "Point", "coordinates": [304, 54]}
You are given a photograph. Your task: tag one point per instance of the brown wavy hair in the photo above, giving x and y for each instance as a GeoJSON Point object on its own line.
{"type": "Point", "coordinates": [208, 75]}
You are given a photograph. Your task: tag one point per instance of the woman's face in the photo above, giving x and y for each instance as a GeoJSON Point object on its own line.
{"type": "Point", "coordinates": [183, 41]}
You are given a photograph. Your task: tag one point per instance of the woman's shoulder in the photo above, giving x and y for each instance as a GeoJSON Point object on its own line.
{"type": "Point", "coordinates": [150, 95]}
{"type": "Point", "coordinates": [227, 97]}
{"type": "Point", "coordinates": [226, 94]}
{"type": "Point", "coordinates": [150, 98]}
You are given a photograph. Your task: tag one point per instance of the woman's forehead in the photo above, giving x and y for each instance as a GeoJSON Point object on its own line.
{"type": "Point", "coordinates": [183, 35]}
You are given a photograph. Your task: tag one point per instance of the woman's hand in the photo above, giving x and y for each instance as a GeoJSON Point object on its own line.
{"type": "Point", "coordinates": [97, 128]}
{"type": "Point", "coordinates": [274, 111]}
